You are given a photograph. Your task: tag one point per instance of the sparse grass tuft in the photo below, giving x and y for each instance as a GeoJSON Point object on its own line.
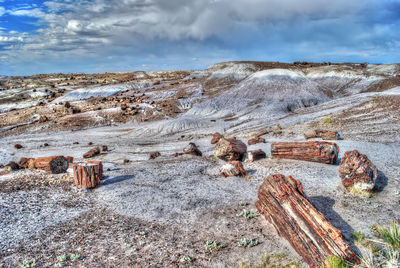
{"type": "Point", "coordinates": [327, 120]}
{"type": "Point", "coordinates": [62, 258]}
{"type": "Point", "coordinates": [185, 259]}
{"type": "Point", "coordinates": [247, 214]}
{"type": "Point", "coordinates": [358, 237]}
{"type": "Point", "coordinates": [27, 263]}
{"type": "Point", "coordinates": [357, 192]}
{"type": "Point", "coordinates": [75, 256]}
{"type": "Point", "coordinates": [248, 243]}
{"type": "Point", "coordinates": [212, 246]}
{"type": "Point", "coordinates": [391, 236]}
{"type": "Point", "coordinates": [335, 262]}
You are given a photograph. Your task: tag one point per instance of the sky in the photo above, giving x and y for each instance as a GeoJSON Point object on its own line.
{"type": "Point", "coordinates": [69, 36]}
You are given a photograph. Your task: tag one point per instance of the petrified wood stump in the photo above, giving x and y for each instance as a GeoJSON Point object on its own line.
{"type": "Point", "coordinates": [230, 149]}
{"type": "Point", "coordinates": [282, 203]}
{"type": "Point", "coordinates": [356, 170]}
{"type": "Point", "coordinates": [53, 164]}
{"type": "Point", "coordinates": [88, 176]}
{"type": "Point", "coordinates": [101, 169]}
{"type": "Point", "coordinates": [315, 151]}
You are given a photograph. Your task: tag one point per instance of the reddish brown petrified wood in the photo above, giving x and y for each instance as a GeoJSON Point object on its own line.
{"type": "Point", "coordinates": [315, 151]}
{"type": "Point", "coordinates": [89, 175]}
{"type": "Point", "coordinates": [230, 149]}
{"type": "Point", "coordinates": [283, 204]}
{"type": "Point", "coordinates": [53, 164]}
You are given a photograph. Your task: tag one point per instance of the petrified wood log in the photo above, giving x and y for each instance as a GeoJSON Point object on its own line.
{"type": "Point", "coordinates": [255, 140]}
{"type": "Point", "coordinates": [233, 168]}
{"type": "Point", "coordinates": [92, 152]}
{"type": "Point", "coordinates": [315, 151]}
{"type": "Point", "coordinates": [282, 203]}
{"type": "Point", "coordinates": [216, 137]}
{"type": "Point", "coordinates": [356, 170]}
{"type": "Point", "coordinates": [89, 175]}
{"type": "Point", "coordinates": [323, 134]}
{"type": "Point", "coordinates": [262, 132]}
{"type": "Point", "coordinates": [191, 148]}
{"type": "Point", "coordinates": [230, 149]}
{"type": "Point", "coordinates": [53, 164]}
{"type": "Point", "coordinates": [255, 155]}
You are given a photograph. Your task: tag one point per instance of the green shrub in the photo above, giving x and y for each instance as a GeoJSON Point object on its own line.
{"type": "Point", "coordinates": [327, 120]}
{"type": "Point", "coordinates": [335, 262]}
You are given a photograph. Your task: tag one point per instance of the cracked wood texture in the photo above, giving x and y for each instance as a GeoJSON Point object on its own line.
{"type": "Point", "coordinates": [52, 164]}
{"type": "Point", "coordinates": [230, 149]}
{"type": "Point", "coordinates": [283, 204]}
{"type": "Point", "coordinates": [314, 151]}
{"type": "Point", "coordinates": [89, 175]}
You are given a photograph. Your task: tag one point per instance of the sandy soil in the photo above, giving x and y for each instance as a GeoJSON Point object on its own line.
{"type": "Point", "coordinates": [155, 212]}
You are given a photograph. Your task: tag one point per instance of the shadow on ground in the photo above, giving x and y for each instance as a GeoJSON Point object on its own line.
{"type": "Point", "coordinates": [111, 180]}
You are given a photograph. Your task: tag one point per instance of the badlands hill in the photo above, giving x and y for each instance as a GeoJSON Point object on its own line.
{"type": "Point", "coordinates": [156, 212]}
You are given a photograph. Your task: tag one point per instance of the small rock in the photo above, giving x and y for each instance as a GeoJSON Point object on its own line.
{"type": "Point", "coordinates": [43, 119]}
{"type": "Point", "coordinates": [90, 143]}
{"type": "Point", "coordinates": [67, 104]}
{"type": "Point", "coordinates": [254, 155]}
{"type": "Point", "coordinates": [191, 148]}
{"type": "Point", "coordinates": [123, 106]}
{"type": "Point", "coordinates": [26, 162]}
{"type": "Point", "coordinates": [357, 171]}
{"type": "Point", "coordinates": [323, 134]}
{"type": "Point", "coordinates": [154, 155]}
{"type": "Point", "coordinates": [18, 146]}
{"type": "Point", "coordinates": [75, 142]}
{"type": "Point", "coordinates": [104, 148]}
{"type": "Point", "coordinates": [45, 144]}
{"type": "Point", "coordinates": [126, 161]}
{"type": "Point", "coordinates": [230, 149]}
{"type": "Point", "coordinates": [262, 132]}
{"type": "Point", "coordinates": [233, 168]}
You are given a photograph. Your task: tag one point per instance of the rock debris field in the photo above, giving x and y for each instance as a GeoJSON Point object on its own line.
{"type": "Point", "coordinates": [174, 161]}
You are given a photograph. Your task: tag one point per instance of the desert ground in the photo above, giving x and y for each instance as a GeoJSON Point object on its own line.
{"type": "Point", "coordinates": [161, 212]}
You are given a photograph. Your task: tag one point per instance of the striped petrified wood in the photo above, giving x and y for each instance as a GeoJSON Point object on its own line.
{"type": "Point", "coordinates": [88, 175]}
{"type": "Point", "coordinates": [283, 204]}
{"type": "Point", "coordinates": [315, 151]}
{"type": "Point", "coordinates": [52, 164]}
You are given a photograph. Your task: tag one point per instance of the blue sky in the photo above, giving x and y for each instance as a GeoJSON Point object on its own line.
{"type": "Point", "coordinates": [38, 36]}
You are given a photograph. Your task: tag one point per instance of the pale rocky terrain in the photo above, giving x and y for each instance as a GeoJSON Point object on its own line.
{"type": "Point", "coordinates": [154, 212]}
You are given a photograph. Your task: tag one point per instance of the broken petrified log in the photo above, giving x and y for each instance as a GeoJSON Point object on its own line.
{"type": "Point", "coordinates": [52, 164]}
{"type": "Point", "coordinates": [323, 134]}
{"type": "Point", "coordinates": [216, 137]}
{"type": "Point", "coordinates": [230, 149]}
{"type": "Point", "coordinates": [283, 204]}
{"type": "Point", "coordinates": [26, 162]}
{"type": "Point", "coordinates": [191, 148]}
{"type": "Point", "coordinates": [233, 168]}
{"type": "Point", "coordinates": [357, 171]}
{"type": "Point", "coordinates": [92, 152]}
{"type": "Point", "coordinates": [88, 175]}
{"type": "Point", "coordinates": [255, 155]}
{"type": "Point", "coordinates": [315, 151]}
{"type": "Point", "coordinates": [255, 140]}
